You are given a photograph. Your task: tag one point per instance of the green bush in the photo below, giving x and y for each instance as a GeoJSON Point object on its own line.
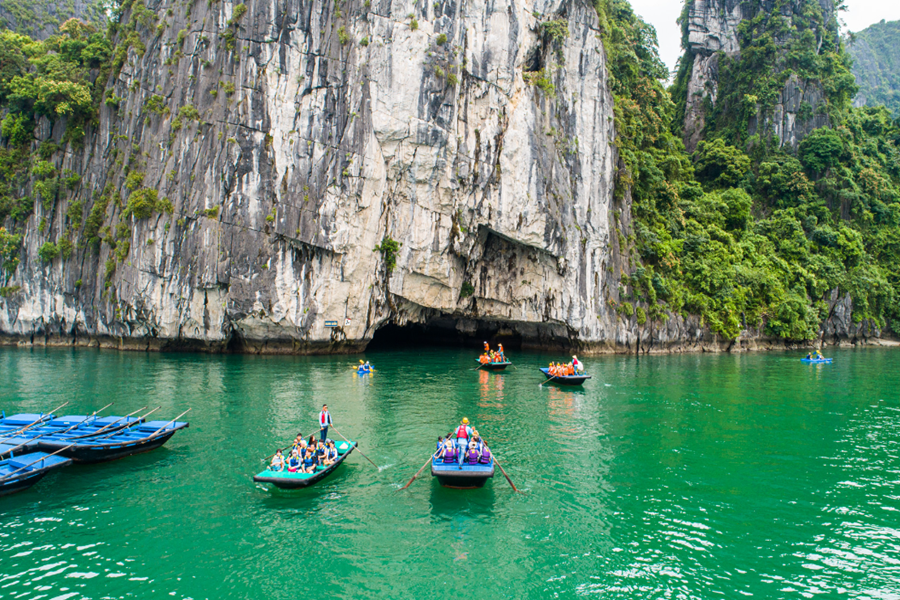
{"type": "Point", "coordinates": [48, 251]}
{"type": "Point", "coordinates": [389, 249]}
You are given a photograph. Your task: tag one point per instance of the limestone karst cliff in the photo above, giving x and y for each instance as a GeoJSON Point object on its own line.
{"type": "Point", "coordinates": [288, 140]}
{"type": "Point", "coordinates": [296, 177]}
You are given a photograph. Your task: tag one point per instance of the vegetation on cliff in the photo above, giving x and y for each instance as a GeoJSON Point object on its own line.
{"type": "Point", "coordinates": [876, 65]}
{"type": "Point", "coordinates": [745, 232]}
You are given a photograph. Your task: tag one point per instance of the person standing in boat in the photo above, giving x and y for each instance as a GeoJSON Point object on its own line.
{"type": "Point", "coordinates": [579, 367]}
{"type": "Point", "coordinates": [500, 352]}
{"type": "Point", "coordinates": [462, 435]}
{"type": "Point", "coordinates": [324, 422]}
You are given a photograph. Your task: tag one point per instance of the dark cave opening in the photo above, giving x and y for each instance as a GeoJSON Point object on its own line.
{"type": "Point", "coordinates": [446, 331]}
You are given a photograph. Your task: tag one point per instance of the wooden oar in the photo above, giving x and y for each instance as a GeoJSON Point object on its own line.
{"type": "Point", "coordinates": [108, 425]}
{"type": "Point", "coordinates": [139, 421]}
{"type": "Point", "coordinates": [431, 458]}
{"type": "Point", "coordinates": [35, 462]}
{"type": "Point", "coordinates": [497, 462]}
{"type": "Point", "coordinates": [549, 380]}
{"type": "Point", "coordinates": [66, 430]}
{"type": "Point", "coordinates": [15, 433]}
{"type": "Point", "coordinates": [170, 422]}
{"type": "Point", "coordinates": [357, 448]}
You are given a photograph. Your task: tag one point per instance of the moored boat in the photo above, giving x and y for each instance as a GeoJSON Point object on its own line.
{"type": "Point", "coordinates": [494, 366]}
{"type": "Point", "coordinates": [119, 444]}
{"type": "Point", "coordinates": [70, 427]}
{"type": "Point", "coordinates": [289, 481]}
{"type": "Point", "coordinates": [25, 470]}
{"type": "Point", "coordinates": [564, 379]}
{"type": "Point", "coordinates": [17, 422]}
{"type": "Point", "coordinates": [451, 474]}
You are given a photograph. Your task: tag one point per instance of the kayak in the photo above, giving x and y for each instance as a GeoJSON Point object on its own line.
{"type": "Point", "coordinates": [291, 481]}
{"type": "Point", "coordinates": [813, 361]}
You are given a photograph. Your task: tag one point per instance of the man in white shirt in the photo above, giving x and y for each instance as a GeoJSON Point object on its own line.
{"type": "Point", "coordinates": [324, 422]}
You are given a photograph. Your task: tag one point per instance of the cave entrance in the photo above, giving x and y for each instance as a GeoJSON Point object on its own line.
{"type": "Point", "coordinates": [446, 331]}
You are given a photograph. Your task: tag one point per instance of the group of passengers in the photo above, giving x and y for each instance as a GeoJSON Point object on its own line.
{"type": "Point", "coordinates": [305, 456]}
{"type": "Point", "coordinates": [491, 356]}
{"type": "Point", "coordinates": [814, 355]}
{"type": "Point", "coordinates": [464, 444]}
{"type": "Point", "coordinates": [566, 370]}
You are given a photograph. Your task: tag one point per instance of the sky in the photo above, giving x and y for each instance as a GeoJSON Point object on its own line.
{"type": "Point", "coordinates": [662, 14]}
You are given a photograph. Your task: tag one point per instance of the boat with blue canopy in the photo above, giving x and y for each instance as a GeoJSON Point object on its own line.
{"type": "Point", "coordinates": [133, 439]}
{"type": "Point", "coordinates": [286, 480]}
{"type": "Point", "coordinates": [564, 379]}
{"type": "Point", "coordinates": [25, 470]}
{"type": "Point", "coordinates": [468, 475]}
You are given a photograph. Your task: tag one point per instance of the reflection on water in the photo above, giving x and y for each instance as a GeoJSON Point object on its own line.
{"type": "Point", "coordinates": [673, 476]}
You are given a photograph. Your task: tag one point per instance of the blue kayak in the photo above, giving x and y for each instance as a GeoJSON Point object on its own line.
{"type": "Point", "coordinates": [814, 361]}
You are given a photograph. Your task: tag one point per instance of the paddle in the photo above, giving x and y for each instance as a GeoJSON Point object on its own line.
{"type": "Point", "coordinates": [108, 425]}
{"type": "Point", "coordinates": [478, 367]}
{"type": "Point", "coordinates": [35, 461]}
{"type": "Point", "coordinates": [66, 430]}
{"type": "Point", "coordinates": [431, 458]}
{"type": "Point", "coordinates": [130, 425]}
{"type": "Point", "coordinates": [13, 434]}
{"type": "Point", "coordinates": [548, 381]}
{"type": "Point", "coordinates": [169, 422]}
{"type": "Point", "coordinates": [357, 448]}
{"type": "Point", "coordinates": [497, 462]}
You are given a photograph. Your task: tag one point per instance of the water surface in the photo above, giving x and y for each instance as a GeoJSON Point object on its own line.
{"type": "Point", "coordinates": [690, 476]}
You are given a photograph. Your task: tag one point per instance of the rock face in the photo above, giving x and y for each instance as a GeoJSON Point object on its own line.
{"type": "Point", "coordinates": [876, 65]}
{"type": "Point", "coordinates": [712, 33]}
{"type": "Point", "coordinates": [296, 137]}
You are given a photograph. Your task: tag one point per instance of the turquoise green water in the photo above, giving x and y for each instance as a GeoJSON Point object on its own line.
{"type": "Point", "coordinates": [690, 476]}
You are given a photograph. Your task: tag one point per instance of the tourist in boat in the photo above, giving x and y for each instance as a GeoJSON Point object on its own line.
{"type": "Point", "coordinates": [440, 446]}
{"type": "Point", "coordinates": [579, 367]}
{"type": "Point", "coordinates": [277, 462]}
{"type": "Point", "coordinates": [449, 453]}
{"type": "Point", "coordinates": [500, 353]}
{"type": "Point", "coordinates": [330, 455]}
{"type": "Point", "coordinates": [484, 358]}
{"type": "Point", "coordinates": [809, 356]}
{"type": "Point", "coordinates": [462, 435]}
{"type": "Point", "coordinates": [487, 348]}
{"type": "Point", "coordinates": [294, 463]}
{"type": "Point", "coordinates": [309, 461]}
{"type": "Point", "coordinates": [324, 422]}
{"type": "Point", "coordinates": [472, 453]}
{"type": "Point", "coordinates": [321, 450]}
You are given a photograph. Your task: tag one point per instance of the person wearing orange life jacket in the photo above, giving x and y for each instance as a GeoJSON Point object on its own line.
{"type": "Point", "coordinates": [487, 348]}
{"type": "Point", "coordinates": [500, 354]}
{"type": "Point", "coordinates": [462, 435]}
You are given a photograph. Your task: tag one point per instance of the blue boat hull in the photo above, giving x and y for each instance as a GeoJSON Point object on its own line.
{"type": "Point", "coordinates": [493, 366]}
{"type": "Point", "coordinates": [468, 477]}
{"type": "Point", "coordinates": [816, 361]}
{"type": "Point", "coordinates": [11, 481]}
{"type": "Point", "coordinates": [565, 379]}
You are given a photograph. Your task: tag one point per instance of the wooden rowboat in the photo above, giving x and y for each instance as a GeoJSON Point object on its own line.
{"type": "Point", "coordinates": [466, 476]}
{"type": "Point", "coordinates": [291, 481]}
{"type": "Point", "coordinates": [125, 442]}
{"type": "Point", "coordinates": [494, 366]}
{"type": "Point", "coordinates": [25, 470]}
{"type": "Point", "coordinates": [564, 379]}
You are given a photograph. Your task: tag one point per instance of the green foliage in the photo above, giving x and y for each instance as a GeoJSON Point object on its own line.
{"type": "Point", "coordinates": [876, 65]}
{"type": "Point", "coordinates": [821, 150]}
{"type": "Point", "coordinates": [213, 213]}
{"type": "Point", "coordinates": [413, 24]}
{"type": "Point", "coordinates": [239, 11]}
{"type": "Point", "coordinates": [441, 39]}
{"type": "Point", "coordinates": [555, 32]}
{"type": "Point", "coordinates": [364, 42]}
{"type": "Point", "coordinates": [466, 290]}
{"type": "Point", "coordinates": [48, 251]}
{"type": "Point", "coordinates": [718, 165]}
{"type": "Point", "coordinates": [343, 36]}
{"type": "Point", "coordinates": [541, 80]}
{"type": "Point", "coordinates": [389, 249]}
{"type": "Point", "coordinates": [144, 202]}
{"type": "Point", "coordinates": [10, 244]}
